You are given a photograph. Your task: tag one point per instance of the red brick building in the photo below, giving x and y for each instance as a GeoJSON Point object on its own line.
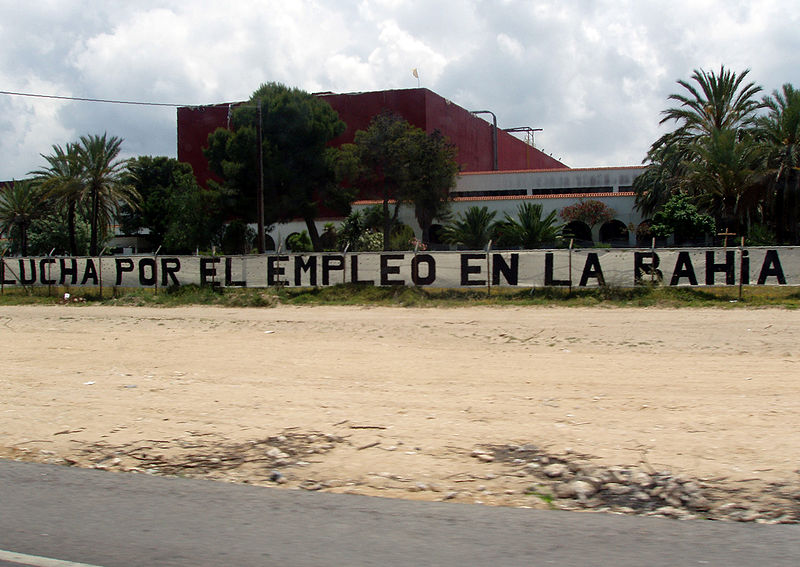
{"type": "Point", "coordinates": [472, 135]}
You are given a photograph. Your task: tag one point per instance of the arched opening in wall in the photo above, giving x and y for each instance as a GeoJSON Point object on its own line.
{"type": "Point", "coordinates": [614, 232]}
{"type": "Point", "coordinates": [436, 235]}
{"type": "Point", "coordinates": [580, 232]}
{"type": "Point", "coordinates": [298, 242]}
{"type": "Point", "coordinates": [269, 242]}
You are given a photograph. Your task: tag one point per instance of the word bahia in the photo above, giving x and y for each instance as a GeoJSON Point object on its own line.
{"type": "Point", "coordinates": [528, 268]}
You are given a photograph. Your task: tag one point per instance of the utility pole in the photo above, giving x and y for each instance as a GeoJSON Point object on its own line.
{"type": "Point", "coordinates": [262, 245]}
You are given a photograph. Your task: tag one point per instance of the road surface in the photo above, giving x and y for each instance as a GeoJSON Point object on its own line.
{"type": "Point", "coordinates": [125, 520]}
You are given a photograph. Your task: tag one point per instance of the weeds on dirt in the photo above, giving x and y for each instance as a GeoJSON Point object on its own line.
{"type": "Point", "coordinates": [204, 454]}
{"type": "Point", "coordinates": [400, 296]}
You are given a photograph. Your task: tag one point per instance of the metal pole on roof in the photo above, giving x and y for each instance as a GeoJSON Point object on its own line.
{"type": "Point", "coordinates": [494, 135]}
{"type": "Point", "coordinates": [530, 138]}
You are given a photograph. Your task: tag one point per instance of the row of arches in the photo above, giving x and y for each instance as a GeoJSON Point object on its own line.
{"type": "Point", "coordinates": [614, 233]}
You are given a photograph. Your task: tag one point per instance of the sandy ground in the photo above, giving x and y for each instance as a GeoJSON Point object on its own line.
{"type": "Point", "coordinates": [393, 401]}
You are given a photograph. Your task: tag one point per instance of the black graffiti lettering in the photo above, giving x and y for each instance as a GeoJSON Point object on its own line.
{"type": "Point", "coordinates": [387, 270]}
{"type": "Point", "coordinates": [642, 268]}
{"type": "Point", "coordinates": [170, 267]}
{"type": "Point", "coordinates": [72, 271]}
{"type": "Point", "coordinates": [771, 268]}
{"type": "Point", "coordinates": [334, 263]}
{"type": "Point", "coordinates": [147, 265]}
{"type": "Point", "coordinates": [301, 266]}
{"type": "Point", "coordinates": [3, 273]}
{"type": "Point", "coordinates": [229, 281]}
{"type": "Point", "coordinates": [123, 265]}
{"type": "Point", "coordinates": [744, 268]}
{"type": "Point", "coordinates": [208, 269]}
{"type": "Point", "coordinates": [592, 269]}
{"type": "Point", "coordinates": [509, 271]}
{"type": "Point", "coordinates": [548, 272]}
{"type": "Point", "coordinates": [90, 273]}
{"type": "Point", "coordinates": [430, 264]}
{"type": "Point", "coordinates": [274, 270]}
{"type": "Point", "coordinates": [728, 268]}
{"type": "Point", "coordinates": [23, 279]}
{"type": "Point", "coordinates": [683, 269]}
{"type": "Point", "coordinates": [354, 272]}
{"type": "Point", "coordinates": [44, 271]}
{"type": "Point", "coordinates": [467, 269]}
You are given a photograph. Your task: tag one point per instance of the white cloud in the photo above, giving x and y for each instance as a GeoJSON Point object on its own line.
{"type": "Point", "coordinates": [595, 75]}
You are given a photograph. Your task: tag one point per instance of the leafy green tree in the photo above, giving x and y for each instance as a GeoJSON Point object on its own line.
{"type": "Point", "coordinates": [528, 229]}
{"type": "Point", "coordinates": [393, 160]}
{"type": "Point", "coordinates": [103, 178]}
{"type": "Point", "coordinates": [52, 231]}
{"type": "Point", "coordinates": [434, 171]}
{"type": "Point", "coordinates": [20, 203]}
{"type": "Point", "coordinates": [377, 162]}
{"type": "Point", "coordinates": [779, 133]}
{"type": "Point", "coordinates": [681, 217]}
{"type": "Point", "coordinates": [299, 242]}
{"type": "Point", "coordinates": [238, 238]}
{"type": "Point", "coordinates": [471, 229]}
{"type": "Point", "coordinates": [62, 181]}
{"type": "Point", "coordinates": [178, 214]}
{"type": "Point", "coordinates": [298, 176]}
{"type": "Point", "coordinates": [590, 211]}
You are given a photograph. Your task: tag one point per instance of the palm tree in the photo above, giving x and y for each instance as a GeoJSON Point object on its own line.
{"type": "Point", "coordinates": [779, 132]}
{"type": "Point", "coordinates": [711, 103]}
{"type": "Point", "coordinates": [20, 203]}
{"type": "Point", "coordinates": [471, 229]}
{"type": "Point", "coordinates": [724, 177]}
{"type": "Point", "coordinates": [529, 229]}
{"type": "Point", "coordinates": [63, 181]}
{"type": "Point", "coordinates": [659, 181]}
{"type": "Point", "coordinates": [718, 102]}
{"type": "Point", "coordinates": [103, 174]}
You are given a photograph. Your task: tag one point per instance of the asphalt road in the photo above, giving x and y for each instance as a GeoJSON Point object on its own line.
{"type": "Point", "coordinates": [126, 520]}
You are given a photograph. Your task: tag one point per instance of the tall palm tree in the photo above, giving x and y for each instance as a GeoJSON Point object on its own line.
{"type": "Point", "coordinates": [62, 180]}
{"type": "Point", "coordinates": [103, 174]}
{"type": "Point", "coordinates": [660, 179]}
{"type": "Point", "coordinates": [716, 112]}
{"type": "Point", "coordinates": [779, 132]}
{"type": "Point", "coordinates": [20, 204]}
{"type": "Point", "coordinates": [472, 229]}
{"type": "Point", "coordinates": [719, 102]}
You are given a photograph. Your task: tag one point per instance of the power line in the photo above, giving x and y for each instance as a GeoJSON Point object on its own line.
{"type": "Point", "coordinates": [82, 99]}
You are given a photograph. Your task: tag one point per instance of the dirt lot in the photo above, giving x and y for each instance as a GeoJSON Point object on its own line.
{"type": "Point", "coordinates": [412, 403]}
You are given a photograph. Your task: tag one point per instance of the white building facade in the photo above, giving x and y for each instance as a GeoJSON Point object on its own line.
{"type": "Point", "coordinates": [554, 189]}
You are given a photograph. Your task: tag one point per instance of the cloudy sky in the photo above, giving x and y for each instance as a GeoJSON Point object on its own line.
{"type": "Point", "coordinates": [593, 74]}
